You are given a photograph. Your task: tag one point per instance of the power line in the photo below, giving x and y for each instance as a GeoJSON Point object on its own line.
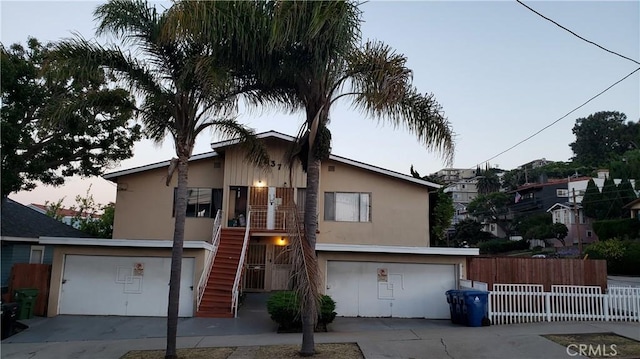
{"type": "Point", "coordinates": [561, 118]}
{"type": "Point", "coordinates": [576, 35]}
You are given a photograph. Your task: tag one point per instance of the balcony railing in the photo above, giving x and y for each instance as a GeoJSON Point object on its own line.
{"type": "Point", "coordinates": [259, 217]}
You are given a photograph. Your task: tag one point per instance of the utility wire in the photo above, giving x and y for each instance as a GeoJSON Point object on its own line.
{"type": "Point", "coordinates": [576, 35]}
{"type": "Point", "coordinates": [561, 118]}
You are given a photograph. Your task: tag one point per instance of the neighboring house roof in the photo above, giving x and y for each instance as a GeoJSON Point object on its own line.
{"type": "Point", "coordinates": [274, 134]}
{"type": "Point", "coordinates": [632, 203]}
{"type": "Point", "coordinates": [63, 212]}
{"type": "Point", "coordinates": [567, 205]}
{"type": "Point", "coordinates": [21, 221]}
{"type": "Point", "coordinates": [550, 182]}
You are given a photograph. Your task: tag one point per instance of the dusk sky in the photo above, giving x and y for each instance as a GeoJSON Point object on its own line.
{"type": "Point", "coordinates": [500, 72]}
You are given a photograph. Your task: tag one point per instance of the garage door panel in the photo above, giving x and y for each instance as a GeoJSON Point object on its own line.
{"type": "Point", "coordinates": [409, 291]}
{"type": "Point", "coordinates": [109, 285]}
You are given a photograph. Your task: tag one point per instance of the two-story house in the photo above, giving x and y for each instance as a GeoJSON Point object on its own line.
{"type": "Point", "coordinates": [372, 240]}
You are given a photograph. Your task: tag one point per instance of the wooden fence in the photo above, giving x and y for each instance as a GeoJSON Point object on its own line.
{"type": "Point", "coordinates": [544, 271]}
{"type": "Point", "coordinates": [24, 275]}
{"type": "Point", "coordinates": [523, 303]}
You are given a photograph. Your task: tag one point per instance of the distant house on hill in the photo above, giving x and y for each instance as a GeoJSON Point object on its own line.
{"type": "Point", "coordinates": [66, 215]}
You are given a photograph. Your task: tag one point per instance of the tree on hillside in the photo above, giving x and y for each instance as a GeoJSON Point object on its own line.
{"type": "Point", "coordinates": [55, 124]}
{"type": "Point", "coordinates": [627, 193]}
{"type": "Point", "coordinates": [560, 232]}
{"type": "Point", "coordinates": [488, 182]}
{"type": "Point", "coordinates": [627, 166]}
{"type": "Point", "coordinates": [184, 89]}
{"type": "Point", "coordinates": [611, 200]}
{"type": "Point", "coordinates": [470, 231]}
{"type": "Point", "coordinates": [441, 211]}
{"type": "Point", "coordinates": [592, 202]}
{"type": "Point", "coordinates": [490, 207]}
{"type": "Point", "coordinates": [314, 50]}
{"type": "Point", "coordinates": [598, 138]}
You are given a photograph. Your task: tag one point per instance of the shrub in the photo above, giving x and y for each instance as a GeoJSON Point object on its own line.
{"type": "Point", "coordinates": [284, 309]}
{"type": "Point", "coordinates": [623, 257]}
{"type": "Point", "coordinates": [502, 245]}
{"type": "Point", "coordinates": [620, 228]}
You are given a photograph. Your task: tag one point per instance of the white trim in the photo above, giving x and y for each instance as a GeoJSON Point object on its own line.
{"type": "Point", "coordinates": [448, 251]}
{"type": "Point", "coordinates": [153, 166]}
{"type": "Point", "coordinates": [36, 248]}
{"type": "Point", "coordinates": [383, 171]}
{"type": "Point", "coordinates": [139, 243]}
{"type": "Point", "coordinates": [19, 239]}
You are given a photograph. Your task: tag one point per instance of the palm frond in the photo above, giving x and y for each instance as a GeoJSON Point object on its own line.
{"type": "Point", "coordinates": [82, 57]}
{"type": "Point", "coordinates": [305, 270]}
{"type": "Point", "coordinates": [381, 87]}
{"type": "Point", "coordinates": [256, 152]}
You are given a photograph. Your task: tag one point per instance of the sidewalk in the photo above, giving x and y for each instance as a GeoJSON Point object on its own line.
{"type": "Point", "coordinates": [378, 338]}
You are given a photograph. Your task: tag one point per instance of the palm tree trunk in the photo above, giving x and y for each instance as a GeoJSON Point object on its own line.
{"type": "Point", "coordinates": [176, 257]}
{"type": "Point", "coordinates": [310, 227]}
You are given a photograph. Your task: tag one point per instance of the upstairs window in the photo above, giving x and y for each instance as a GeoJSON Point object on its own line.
{"type": "Point", "coordinates": [201, 202]}
{"type": "Point", "coordinates": [347, 207]}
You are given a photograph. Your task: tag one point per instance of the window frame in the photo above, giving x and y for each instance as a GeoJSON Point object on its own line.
{"type": "Point", "coordinates": [212, 205]}
{"type": "Point", "coordinates": [333, 216]}
{"type": "Point", "coordinates": [36, 248]}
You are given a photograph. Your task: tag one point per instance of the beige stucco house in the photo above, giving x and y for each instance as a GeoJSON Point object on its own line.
{"type": "Point", "coordinates": [372, 242]}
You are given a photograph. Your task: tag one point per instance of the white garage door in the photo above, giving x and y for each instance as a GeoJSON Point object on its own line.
{"type": "Point", "coordinates": [400, 290]}
{"type": "Point", "coordinates": [132, 286]}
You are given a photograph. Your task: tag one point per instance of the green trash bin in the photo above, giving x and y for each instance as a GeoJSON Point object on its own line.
{"type": "Point", "coordinates": [26, 299]}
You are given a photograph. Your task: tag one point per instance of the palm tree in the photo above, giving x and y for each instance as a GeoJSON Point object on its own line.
{"type": "Point", "coordinates": [314, 50]}
{"type": "Point", "coordinates": [182, 91]}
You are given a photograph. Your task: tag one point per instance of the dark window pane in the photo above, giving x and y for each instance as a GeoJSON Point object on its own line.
{"type": "Point", "coordinates": [329, 206]}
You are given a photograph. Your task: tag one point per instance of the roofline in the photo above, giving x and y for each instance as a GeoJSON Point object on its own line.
{"type": "Point", "coordinates": [383, 171]}
{"type": "Point", "coordinates": [235, 141]}
{"type": "Point", "coordinates": [19, 239]}
{"type": "Point", "coordinates": [217, 145]}
{"type": "Point", "coordinates": [449, 251]}
{"type": "Point", "coordinates": [113, 175]}
{"type": "Point", "coordinates": [139, 243]}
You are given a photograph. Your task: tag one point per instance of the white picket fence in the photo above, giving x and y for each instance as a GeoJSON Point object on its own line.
{"type": "Point", "coordinates": [527, 303]}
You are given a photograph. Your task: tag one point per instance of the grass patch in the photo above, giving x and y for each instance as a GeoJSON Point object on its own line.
{"type": "Point", "coordinates": [599, 345]}
{"type": "Point", "coordinates": [323, 351]}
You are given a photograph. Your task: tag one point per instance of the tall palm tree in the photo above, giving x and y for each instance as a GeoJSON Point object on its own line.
{"type": "Point", "coordinates": [314, 50]}
{"type": "Point", "coordinates": [182, 88]}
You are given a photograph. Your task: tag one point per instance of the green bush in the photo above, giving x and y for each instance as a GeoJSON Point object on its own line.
{"type": "Point", "coordinates": [502, 245]}
{"type": "Point", "coordinates": [623, 257]}
{"type": "Point", "coordinates": [284, 309]}
{"type": "Point", "coordinates": [617, 228]}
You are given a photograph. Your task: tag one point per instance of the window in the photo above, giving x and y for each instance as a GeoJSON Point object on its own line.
{"type": "Point", "coordinates": [562, 193]}
{"type": "Point", "coordinates": [347, 207]}
{"type": "Point", "coordinates": [201, 202]}
{"type": "Point", "coordinates": [589, 234]}
{"type": "Point", "coordinates": [37, 254]}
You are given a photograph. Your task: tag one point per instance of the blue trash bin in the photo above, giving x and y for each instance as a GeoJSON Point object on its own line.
{"type": "Point", "coordinates": [449, 296]}
{"type": "Point", "coordinates": [475, 307]}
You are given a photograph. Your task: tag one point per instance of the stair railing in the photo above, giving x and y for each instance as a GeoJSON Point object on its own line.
{"type": "Point", "coordinates": [210, 256]}
{"type": "Point", "coordinates": [236, 283]}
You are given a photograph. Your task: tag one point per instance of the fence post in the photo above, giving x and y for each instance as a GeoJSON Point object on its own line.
{"type": "Point", "coordinates": [547, 306]}
{"type": "Point", "coordinates": [605, 306]}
